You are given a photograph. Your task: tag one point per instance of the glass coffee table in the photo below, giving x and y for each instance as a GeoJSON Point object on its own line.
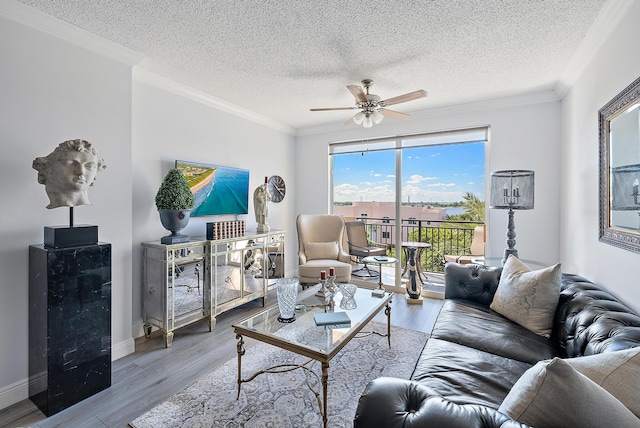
{"type": "Point", "coordinates": [304, 337]}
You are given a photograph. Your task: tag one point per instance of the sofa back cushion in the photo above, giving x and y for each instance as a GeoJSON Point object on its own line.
{"type": "Point", "coordinates": [589, 320]}
{"type": "Point", "coordinates": [471, 282]}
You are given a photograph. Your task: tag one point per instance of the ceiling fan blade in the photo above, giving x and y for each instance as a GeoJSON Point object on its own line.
{"type": "Point", "coordinates": [333, 108]}
{"type": "Point", "coordinates": [358, 93]}
{"type": "Point", "coordinates": [393, 114]}
{"type": "Point", "coordinates": [404, 98]}
{"type": "Point", "coordinates": [350, 122]}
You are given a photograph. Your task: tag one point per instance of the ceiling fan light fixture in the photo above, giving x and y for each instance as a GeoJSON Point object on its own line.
{"type": "Point", "coordinates": [377, 117]}
{"type": "Point", "coordinates": [367, 122]}
{"type": "Point", "coordinates": [372, 108]}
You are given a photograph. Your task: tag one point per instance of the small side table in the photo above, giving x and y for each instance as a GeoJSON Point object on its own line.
{"type": "Point", "coordinates": [380, 260]}
{"type": "Point", "coordinates": [420, 247]}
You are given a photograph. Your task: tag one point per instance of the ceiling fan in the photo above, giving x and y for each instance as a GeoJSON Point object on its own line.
{"type": "Point", "coordinates": [372, 108]}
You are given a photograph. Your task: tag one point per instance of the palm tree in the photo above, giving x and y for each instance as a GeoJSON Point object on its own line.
{"type": "Point", "coordinates": [473, 207]}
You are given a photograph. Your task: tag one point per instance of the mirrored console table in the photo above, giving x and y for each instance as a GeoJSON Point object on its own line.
{"type": "Point", "coordinates": [186, 282]}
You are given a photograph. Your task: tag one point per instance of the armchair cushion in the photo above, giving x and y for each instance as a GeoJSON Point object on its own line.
{"type": "Point", "coordinates": [321, 250]}
{"type": "Point", "coordinates": [527, 297]}
{"type": "Point", "coordinates": [554, 394]}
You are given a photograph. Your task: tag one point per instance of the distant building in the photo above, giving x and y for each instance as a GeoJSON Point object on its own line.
{"type": "Point", "coordinates": [383, 213]}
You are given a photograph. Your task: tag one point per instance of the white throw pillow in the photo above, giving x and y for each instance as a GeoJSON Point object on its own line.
{"type": "Point", "coordinates": [321, 250]}
{"type": "Point", "coordinates": [618, 372]}
{"type": "Point", "coordinates": [553, 394]}
{"type": "Point", "coordinates": [528, 297]}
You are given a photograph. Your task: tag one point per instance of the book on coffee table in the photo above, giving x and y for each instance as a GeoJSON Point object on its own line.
{"type": "Point", "coordinates": [332, 318]}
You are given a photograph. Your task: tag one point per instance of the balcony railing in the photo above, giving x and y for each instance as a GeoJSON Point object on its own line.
{"type": "Point", "coordinates": [445, 237]}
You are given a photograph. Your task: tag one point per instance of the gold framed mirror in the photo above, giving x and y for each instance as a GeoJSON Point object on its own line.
{"type": "Point", "coordinates": [619, 125]}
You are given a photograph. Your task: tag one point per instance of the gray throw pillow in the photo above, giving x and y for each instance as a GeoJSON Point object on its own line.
{"type": "Point", "coordinates": [618, 372]}
{"type": "Point", "coordinates": [528, 297]}
{"type": "Point", "coordinates": [554, 394]}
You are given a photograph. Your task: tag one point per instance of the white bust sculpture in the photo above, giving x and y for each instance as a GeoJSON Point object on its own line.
{"type": "Point", "coordinates": [68, 172]}
{"type": "Point", "coordinates": [261, 200]}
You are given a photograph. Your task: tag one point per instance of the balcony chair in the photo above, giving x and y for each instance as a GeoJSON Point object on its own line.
{"type": "Point", "coordinates": [320, 247]}
{"type": "Point", "coordinates": [474, 251]}
{"type": "Point", "coordinates": [360, 247]}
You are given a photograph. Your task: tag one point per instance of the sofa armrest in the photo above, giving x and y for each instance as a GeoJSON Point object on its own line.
{"type": "Point", "coordinates": [472, 282]}
{"type": "Point", "coordinates": [392, 402]}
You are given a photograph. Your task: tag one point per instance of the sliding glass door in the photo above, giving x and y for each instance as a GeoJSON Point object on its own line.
{"type": "Point", "coordinates": [405, 187]}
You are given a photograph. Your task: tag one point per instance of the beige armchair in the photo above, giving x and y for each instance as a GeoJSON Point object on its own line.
{"type": "Point", "coordinates": [474, 251]}
{"type": "Point", "coordinates": [320, 238]}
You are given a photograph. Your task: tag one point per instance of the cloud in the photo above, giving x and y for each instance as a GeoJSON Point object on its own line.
{"type": "Point", "coordinates": [442, 185]}
{"type": "Point", "coordinates": [417, 178]}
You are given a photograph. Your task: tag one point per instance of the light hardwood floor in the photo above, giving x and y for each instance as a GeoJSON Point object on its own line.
{"type": "Point", "coordinates": [153, 373]}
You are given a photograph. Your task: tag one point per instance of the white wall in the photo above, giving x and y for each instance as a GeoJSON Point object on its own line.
{"type": "Point", "coordinates": [615, 66]}
{"type": "Point", "coordinates": [54, 91]}
{"type": "Point", "coordinates": [525, 134]}
{"type": "Point", "coordinates": [168, 125]}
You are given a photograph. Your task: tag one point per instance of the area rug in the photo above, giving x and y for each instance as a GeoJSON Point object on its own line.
{"type": "Point", "coordinates": [284, 400]}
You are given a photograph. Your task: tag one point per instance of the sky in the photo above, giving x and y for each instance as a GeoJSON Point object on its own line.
{"type": "Point", "coordinates": [441, 173]}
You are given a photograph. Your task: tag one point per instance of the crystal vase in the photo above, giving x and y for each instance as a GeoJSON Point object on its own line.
{"type": "Point", "coordinates": [287, 292]}
{"type": "Point", "coordinates": [348, 296]}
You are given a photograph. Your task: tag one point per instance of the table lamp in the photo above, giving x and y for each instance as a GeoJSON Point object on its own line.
{"type": "Point", "coordinates": [512, 190]}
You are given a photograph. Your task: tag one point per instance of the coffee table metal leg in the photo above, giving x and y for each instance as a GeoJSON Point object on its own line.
{"type": "Point", "coordinates": [325, 381]}
{"type": "Point", "coordinates": [387, 312]}
{"type": "Point", "coordinates": [240, 351]}
{"type": "Point", "coordinates": [380, 277]}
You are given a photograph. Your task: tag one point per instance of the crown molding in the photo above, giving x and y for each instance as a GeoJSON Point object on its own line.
{"type": "Point", "coordinates": [52, 26]}
{"type": "Point", "coordinates": [470, 107]}
{"type": "Point", "coordinates": [612, 12]}
{"type": "Point", "coordinates": [143, 75]}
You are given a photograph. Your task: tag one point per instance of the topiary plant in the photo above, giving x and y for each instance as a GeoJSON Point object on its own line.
{"type": "Point", "coordinates": [174, 192]}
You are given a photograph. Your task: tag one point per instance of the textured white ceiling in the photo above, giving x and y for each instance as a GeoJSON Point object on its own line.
{"type": "Point", "coordinates": [279, 58]}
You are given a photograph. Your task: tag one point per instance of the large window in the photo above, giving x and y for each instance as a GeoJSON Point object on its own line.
{"type": "Point", "coordinates": [396, 183]}
{"type": "Point", "coordinates": [436, 168]}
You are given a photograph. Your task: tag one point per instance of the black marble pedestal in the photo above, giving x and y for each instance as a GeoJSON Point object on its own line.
{"type": "Point", "coordinates": [69, 324]}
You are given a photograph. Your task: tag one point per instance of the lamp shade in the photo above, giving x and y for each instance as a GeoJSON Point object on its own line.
{"type": "Point", "coordinates": [368, 121]}
{"type": "Point", "coordinates": [358, 118]}
{"type": "Point", "coordinates": [377, 117]}
{"type": "Point", "coordinates": [624, 187]}
{"type": "Point", "coordinates": [512, 189]}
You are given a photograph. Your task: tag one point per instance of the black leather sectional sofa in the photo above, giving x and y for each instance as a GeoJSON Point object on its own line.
{"type": "Point", "coordinates": [475, 355]}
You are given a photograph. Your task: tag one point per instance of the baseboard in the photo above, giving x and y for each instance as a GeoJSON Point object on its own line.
{"type": "Point", "coordinates": [18, 391]}
{"type": "Point", "coordinates": [123, 349]}
{"type": "Point", "coordinates": [14, 393]}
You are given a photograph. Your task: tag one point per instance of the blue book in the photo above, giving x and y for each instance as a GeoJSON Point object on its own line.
{"type": "Point", "coordinates": [332, 318]}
